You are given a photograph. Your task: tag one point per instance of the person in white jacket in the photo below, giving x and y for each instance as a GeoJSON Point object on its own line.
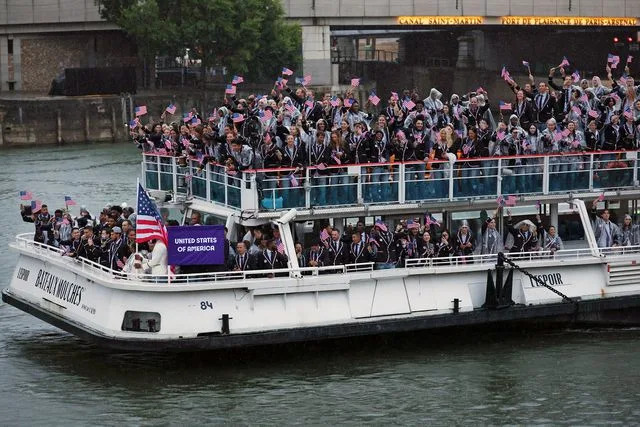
{"type": "Point", "coordinates": [158, 261]}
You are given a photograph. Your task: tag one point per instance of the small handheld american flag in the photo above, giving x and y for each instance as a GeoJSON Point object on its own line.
{"type": "Point", "coordinates": [429, 219]}
{"type": "Point", "coordinates": [615, 60]}
{"type": "Point", "coordinates": [26, 195]}
{"type": "Point", "coordinates": [373, 98]}
{"type": "Point", "coordinates": [576, 76]}
{"type": "Point", "coordinates": [266, 115]}
{"type": "Point", "coordinates": [36, 205]}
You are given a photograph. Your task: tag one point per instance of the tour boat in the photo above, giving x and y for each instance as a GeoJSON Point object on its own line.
{"type": "Point", "coordinates": [581, 284]}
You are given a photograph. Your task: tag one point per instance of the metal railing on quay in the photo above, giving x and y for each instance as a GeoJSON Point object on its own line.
{"type": "Point", "coordinates": [392, 183]}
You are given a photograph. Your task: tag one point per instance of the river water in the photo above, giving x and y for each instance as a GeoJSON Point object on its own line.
{"type": "Point", "coordinates": [49, 377]}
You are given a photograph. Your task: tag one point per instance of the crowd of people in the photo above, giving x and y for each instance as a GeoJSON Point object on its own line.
{"type": "Point", "coordinates": [291, 129]}
{"type": "Point", "coordinates": [420, 238]}
{"type": "Point", "coordinates": [110, 241]}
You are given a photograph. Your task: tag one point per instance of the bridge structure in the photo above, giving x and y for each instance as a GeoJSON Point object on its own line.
{"type": "Point", "coordinates": [473, 32]}
{"type": "Point", "coordinates": [39, 38]}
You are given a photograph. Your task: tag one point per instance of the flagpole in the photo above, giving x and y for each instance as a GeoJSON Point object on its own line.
{"type": "Point", "coordinates": [137, 207]}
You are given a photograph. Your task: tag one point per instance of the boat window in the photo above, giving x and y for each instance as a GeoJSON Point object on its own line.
{"type": "Point", "coordinates": [171, 214]}
{"type": "Point", "coordinates": [209, 219]}
{"type": "Point", "coordinates": [206, 218]}
{"type": "Point", "coordinates": [141, 321]}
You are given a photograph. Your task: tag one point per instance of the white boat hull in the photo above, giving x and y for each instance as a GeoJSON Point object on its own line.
{"type": "Point", "coordinates": [269, 311]}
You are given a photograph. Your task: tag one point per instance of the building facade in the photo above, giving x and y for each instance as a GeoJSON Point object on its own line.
{"type": "Point", "coordinates": [40, 38]}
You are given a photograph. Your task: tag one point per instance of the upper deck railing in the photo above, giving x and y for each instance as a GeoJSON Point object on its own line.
{"type": "Point", "coordinates": [392, 183]}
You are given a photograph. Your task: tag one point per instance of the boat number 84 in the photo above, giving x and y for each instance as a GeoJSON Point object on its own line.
{"type": "Point", "coordinates": [205, 305]}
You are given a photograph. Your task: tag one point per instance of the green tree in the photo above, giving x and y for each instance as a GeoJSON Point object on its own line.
{"type": "Point", "coordinates": [249, 37]}
{"type": "Point", "coordinates": [280, 44]}
{"type": "Point", "coordinates": [135, 17]}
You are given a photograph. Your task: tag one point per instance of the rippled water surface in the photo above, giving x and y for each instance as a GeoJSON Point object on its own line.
{"type": "Point", "coordinates": [48, 377]}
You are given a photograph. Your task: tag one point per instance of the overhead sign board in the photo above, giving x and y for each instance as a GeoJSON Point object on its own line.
{"type": "Point", "coordinates": [585, 21]}
{"type": "Point", "coordinates": [571, 21]}
{"type": "Point", "coordinates": [440, 20]}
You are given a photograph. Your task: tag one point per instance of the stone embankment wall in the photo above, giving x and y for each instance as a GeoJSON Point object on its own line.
{"type": "Point", "coordinates": [59, 120]}
{"type": "Point", "coordinates": [29, 120]}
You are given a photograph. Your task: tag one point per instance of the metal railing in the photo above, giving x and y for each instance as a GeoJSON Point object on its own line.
{"type": "Point", "coordinates": [92, 269]}
{"type": "Point", "coordinates": [385, 183]}
{"type": "Point", "coordinates": [543, 255]}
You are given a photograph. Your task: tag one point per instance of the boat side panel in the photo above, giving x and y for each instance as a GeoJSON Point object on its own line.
{"type": "Point", "coordinates": [200, 312]}
{"type": "Point", "coordinates": [390, 297]}
{"type": "Point", "coordinates": [61, 291]}
{"type": "Point", "coordinates": [361, 293]}
{"type": "Point", "coordinates": [421, 296]}
{"type": "Point", "coordinates": [574, 281]}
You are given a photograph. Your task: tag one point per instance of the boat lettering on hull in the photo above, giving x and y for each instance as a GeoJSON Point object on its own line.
{"type": "Point", "coordinates": [553, 279]}
{"type": "Point", "coordinates": [59, 288]}
{"type": "Point", "coordinates": [23, 274]}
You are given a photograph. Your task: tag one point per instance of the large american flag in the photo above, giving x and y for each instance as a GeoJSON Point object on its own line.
{"type": "Point", "coordinates": [148, 221]}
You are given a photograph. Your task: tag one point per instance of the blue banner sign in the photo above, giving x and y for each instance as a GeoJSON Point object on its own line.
{"type": "Point", "coordinates": [196, 245]}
